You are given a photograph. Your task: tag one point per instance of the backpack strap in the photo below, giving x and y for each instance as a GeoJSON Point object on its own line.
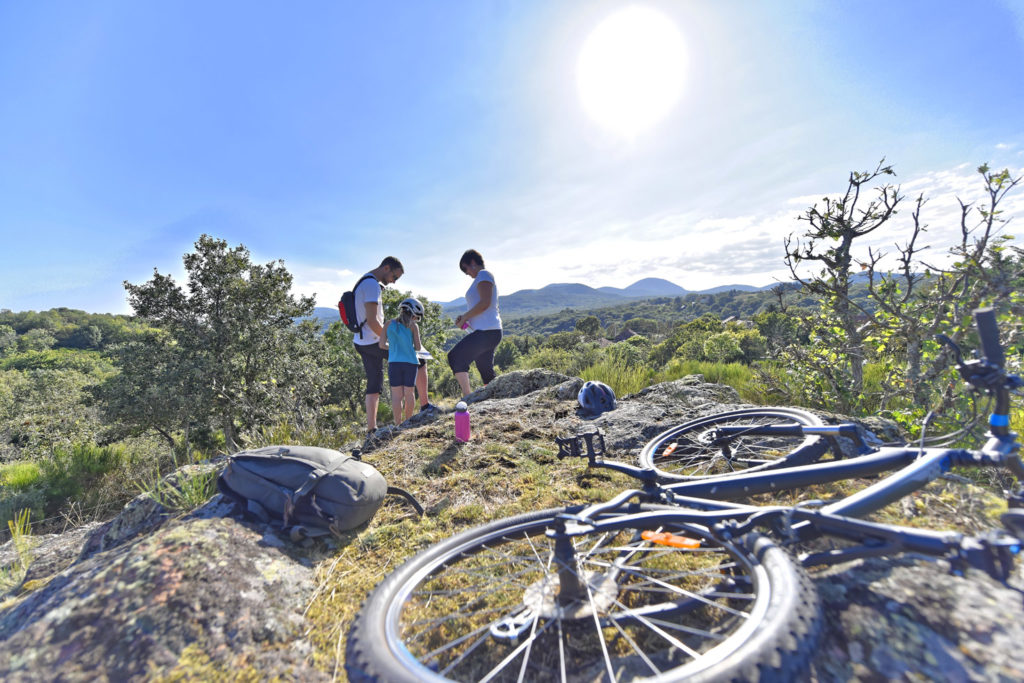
{"type": "Point", "coordinates": [395, 491]}
{"type": "Point", "coordinates": [368, 276]}
{"type": "Point", "coordinates": [302, 492]}
{"type": "Point", "coordinates": [308, 487]}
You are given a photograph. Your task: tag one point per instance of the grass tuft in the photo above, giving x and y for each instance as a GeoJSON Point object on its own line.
{"type": "Point", "coordinates": [21, 538]}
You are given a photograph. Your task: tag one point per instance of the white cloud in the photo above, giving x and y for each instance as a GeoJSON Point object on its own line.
{"type": "Point", "coordinates": [326, 284]}
{"type": "Point", "coordinates": [702, 252]}
{"type": "Point", "coordinates": [559, 234]}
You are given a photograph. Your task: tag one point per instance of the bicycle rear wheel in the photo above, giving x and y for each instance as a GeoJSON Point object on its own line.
{"type": "Point", "coordinates": [698, 449]}
{"type": "Point", "coordinates": [483, 605]}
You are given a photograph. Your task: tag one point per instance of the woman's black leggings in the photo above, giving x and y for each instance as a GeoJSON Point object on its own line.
{"type": "Point", "coordinates": [476, 346]}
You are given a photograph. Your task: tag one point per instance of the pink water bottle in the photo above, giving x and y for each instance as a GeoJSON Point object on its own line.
{"type": "Point", "coordinates": [461, 422]}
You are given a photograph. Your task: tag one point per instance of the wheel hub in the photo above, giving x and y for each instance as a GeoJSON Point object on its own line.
{"type": "Point", "coordinates": [541, 602]}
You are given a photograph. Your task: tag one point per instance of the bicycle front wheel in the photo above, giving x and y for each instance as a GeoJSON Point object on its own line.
{"type": "Point", "coordinates": [740, 440]}
{"type": "Point", "coordinates": [485, 605]}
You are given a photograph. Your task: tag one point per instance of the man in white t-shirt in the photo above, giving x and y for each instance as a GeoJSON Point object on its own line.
{"type": "Point", "coordinates": [370, 312]}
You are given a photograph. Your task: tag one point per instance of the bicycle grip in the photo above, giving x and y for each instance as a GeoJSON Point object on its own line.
{"type": "Point", "coordinates": [988, 332]}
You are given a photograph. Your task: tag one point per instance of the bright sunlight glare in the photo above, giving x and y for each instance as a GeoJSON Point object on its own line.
{"type": "Point", "coordinates": [631, 70]}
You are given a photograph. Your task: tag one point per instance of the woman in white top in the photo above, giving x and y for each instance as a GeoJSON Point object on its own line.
{"type": "Point", "coordinates": [484, 320]}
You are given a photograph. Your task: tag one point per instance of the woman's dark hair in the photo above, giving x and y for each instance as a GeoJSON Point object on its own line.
{"type": "Point", "coordinates": [471, 256]}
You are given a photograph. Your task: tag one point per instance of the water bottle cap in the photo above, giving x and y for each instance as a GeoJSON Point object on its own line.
{"type": "Point", "coordinates": [461, 407]}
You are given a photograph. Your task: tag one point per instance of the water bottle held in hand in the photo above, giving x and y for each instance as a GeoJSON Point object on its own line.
{"type": "Point", "coordinates": [461, 422]}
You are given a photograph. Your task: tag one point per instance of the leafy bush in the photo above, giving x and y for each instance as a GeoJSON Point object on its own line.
{"type": "Point", "coordinates": [567, 362]}
{"type": "Point", "coordinates": [41, 410]}
{"type": "Point", "coordinates": [631, 353]}
{"type": "Point", "coordinates": [36, 340]}
{"type": "Point", "coordinates": [723, 347]}
{"type": "Point", "coordinates": [565, 341]}
{"type": "Point", "coordinates": [89, 362]}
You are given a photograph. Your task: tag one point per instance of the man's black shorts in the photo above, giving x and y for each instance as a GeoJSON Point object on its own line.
{"type": "Point", "coordinates": [374, 358]}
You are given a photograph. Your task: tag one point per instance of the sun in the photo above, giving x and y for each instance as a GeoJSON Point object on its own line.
{"type": "Point", "coordinates": [631, 70]}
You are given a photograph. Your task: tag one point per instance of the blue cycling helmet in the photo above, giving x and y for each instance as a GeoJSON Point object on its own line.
{"type": "Point", "coordinates": [596, 397]}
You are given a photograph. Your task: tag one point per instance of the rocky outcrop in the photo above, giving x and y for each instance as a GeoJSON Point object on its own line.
{"type": "Point", "coordinates": [905, 620]}
{"type": "Point", "coordinates": [205, 591]}
{"type": "Point", "coordinates": [208, 594]}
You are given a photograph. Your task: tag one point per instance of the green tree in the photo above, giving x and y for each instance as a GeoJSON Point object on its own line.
{"type": "Point", "coordinates": [85, 337]}
{"type": "Point", "coordinates": [723, 347]}
{"type": "Point", "coordinates": [218, 342]}
{"type": "Point", "coordinates": [829, 241]}
{"type": "Point", "coordinates": [8, 340]}
{"type": "Point", "coordinates": [565, 341]}
{"type": "Point", "coordinates": [894, 322]}
{"type": "Point", "coordinates": [41, 409]}
{"type": "Point", "coordinates": [752, 345]}
{"type": "Point", "coordinates": [914, 302]}
{"type": "Point", "coordinates": [506, 354]}
{"type": "Point", "coordinates": [778, 329]}
{"type": "Point", "coordinates": [589, 326]}
{"type": "Point", "coordinates": [632, 352]}
{"type": "Point", "coordinates": [36, 339]}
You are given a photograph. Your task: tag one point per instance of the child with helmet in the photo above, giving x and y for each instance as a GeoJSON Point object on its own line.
{"type": "Point", "coordinates": [401, 341]}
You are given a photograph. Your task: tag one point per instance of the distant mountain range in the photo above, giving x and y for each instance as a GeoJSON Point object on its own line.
{"type": "Point", "coordinates": [556, 297]}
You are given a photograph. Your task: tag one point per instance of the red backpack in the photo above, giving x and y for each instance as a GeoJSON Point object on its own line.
{"type": "Point", "coordinates": [347, 308]}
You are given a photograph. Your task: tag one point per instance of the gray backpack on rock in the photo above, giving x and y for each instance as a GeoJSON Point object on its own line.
{"type": "Point", "coordinates": [305, 490]}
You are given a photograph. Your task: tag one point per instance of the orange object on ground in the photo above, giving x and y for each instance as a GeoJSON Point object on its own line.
{"type": "Point", "coordinates": [665, 538]}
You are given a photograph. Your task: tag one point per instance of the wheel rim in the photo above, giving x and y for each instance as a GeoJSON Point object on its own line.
{"type": "Point", "coordinates": [695, 450]}
{"type": "Point", "coordinates": [486, 610]}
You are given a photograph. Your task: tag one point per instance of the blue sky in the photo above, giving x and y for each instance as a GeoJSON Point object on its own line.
{"type": "Point", "coordinates": [330, 134]}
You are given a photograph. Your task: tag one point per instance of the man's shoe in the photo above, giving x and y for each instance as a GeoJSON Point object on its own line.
{"type": "Point", "coordinates": [429, 408]}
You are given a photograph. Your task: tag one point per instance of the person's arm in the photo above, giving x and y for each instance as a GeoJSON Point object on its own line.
{"type": "Point", "coordinates": [383, 341]}
{"type": "Point", "coordinates": [415, 336]}
{"type": "Point", "coordinates": [371, 318]}
{"type": "Point", "coordinates": [486, 291]}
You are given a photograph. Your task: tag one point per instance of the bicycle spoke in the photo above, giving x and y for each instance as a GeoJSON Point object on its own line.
{"type": "Point", "coordinates": [636, 648]}
{"type": "Point", "coordinates": [673, 641]}
{"type": "Point", "coordinates": [512, 655]}
{"type": "Point", "coordinates": [561, 649]}
{"type": "Point", "coordinates": [689, 594]}
{"type": "Point", "coordinates": [480, 641]}
{"type": "Point", "coordinates": [598, 633]}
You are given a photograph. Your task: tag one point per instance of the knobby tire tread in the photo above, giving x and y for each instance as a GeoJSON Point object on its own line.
{"type": "Point", "coordinates": [779, 650]}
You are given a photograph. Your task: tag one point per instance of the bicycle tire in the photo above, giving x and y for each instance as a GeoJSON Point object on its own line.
{"type": "Point", "coordinates": [740, 611]}
{"type": "Point", "coordinates": [689, 452]}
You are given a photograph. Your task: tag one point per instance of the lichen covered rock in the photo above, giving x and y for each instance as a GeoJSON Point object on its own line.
{"type": "Point", "coordinates": [133, 611]}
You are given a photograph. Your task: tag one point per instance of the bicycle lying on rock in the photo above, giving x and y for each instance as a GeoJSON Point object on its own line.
{"type": "Point", "coordinates": [673, 580]}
